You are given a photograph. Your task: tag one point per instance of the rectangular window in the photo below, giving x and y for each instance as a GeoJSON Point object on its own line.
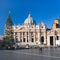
{"type": "Point", "coordinates": [23, 39]}
{"type": "Point", "coordinates": [20, 33]}
{"type": "Point", "coordinates": [42, 33]}
{"type": "Point", "coordinates": [57, 37]}
{"type": "Point", "coordinates": [16, 39]}
{"type": "Point", "coordinates": [27, 33]}
{"type": "Point", "coordinates": [32, 40]}
{"type": "Point", "coordinates": [23, 33]}
{"type": "Point", "coordinates": [15, 33]}
{"type": "Point", "coordinates": [27, 38]}
{"type": "Point", "coordinates": [31, 33]}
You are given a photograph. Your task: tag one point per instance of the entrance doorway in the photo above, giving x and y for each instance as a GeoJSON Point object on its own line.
{"type": "Point", "coordinates": [51, 40]}
{"type": "Point", "coordinates": [42, 40]}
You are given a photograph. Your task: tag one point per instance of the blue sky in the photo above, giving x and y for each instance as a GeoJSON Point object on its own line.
{"type": "Point", "coordinates": [42, 11]}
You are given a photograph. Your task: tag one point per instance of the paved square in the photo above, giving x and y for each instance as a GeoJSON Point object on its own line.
{"type": "Point", "coordinates": [31, 54]}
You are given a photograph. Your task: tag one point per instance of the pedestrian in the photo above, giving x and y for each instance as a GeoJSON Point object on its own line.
{"type": "Point", "coordinates": [40, 49]}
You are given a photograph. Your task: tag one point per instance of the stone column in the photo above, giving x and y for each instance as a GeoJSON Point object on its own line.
{"type": "Point", "coordinates": [59, 37]}
{"type": "Point", "coordinates": [45, 38]}
{"type": "Point", "coordinates": [54, 39]}
{"type": "Point", "coordinates": [18, 36]}
{"type": "Point", "coordinates": [34, 36]}
{"type": "Point", "coordinates": [39, 42]}
{"type": "Point", "coordinates": [14, 36]}
{"type": "Point", "coordinates": [29, 37]}
{"type": "Point", "coordinates": [26, 36]}
{"type": "Point", "coordinates": [22, 37]}
{"type": "Point", "coordinates": [48, 40]}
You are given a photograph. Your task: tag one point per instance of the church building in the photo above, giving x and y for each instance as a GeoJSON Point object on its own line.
{"type": "Point", "coordinates": [33, 34]}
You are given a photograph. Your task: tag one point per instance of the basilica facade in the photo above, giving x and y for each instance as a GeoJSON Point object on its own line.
{"type": "Point", "coordinates": [33, 34]}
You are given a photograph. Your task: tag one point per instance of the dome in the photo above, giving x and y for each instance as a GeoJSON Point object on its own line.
{"type": "Point", "coordinates": [42, 24]}
{"type": "Point", "coordinates": [29, 20]}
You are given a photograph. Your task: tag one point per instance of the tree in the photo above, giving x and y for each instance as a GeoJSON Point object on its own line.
{"type": "Point", "coordinates": [9, 40]}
